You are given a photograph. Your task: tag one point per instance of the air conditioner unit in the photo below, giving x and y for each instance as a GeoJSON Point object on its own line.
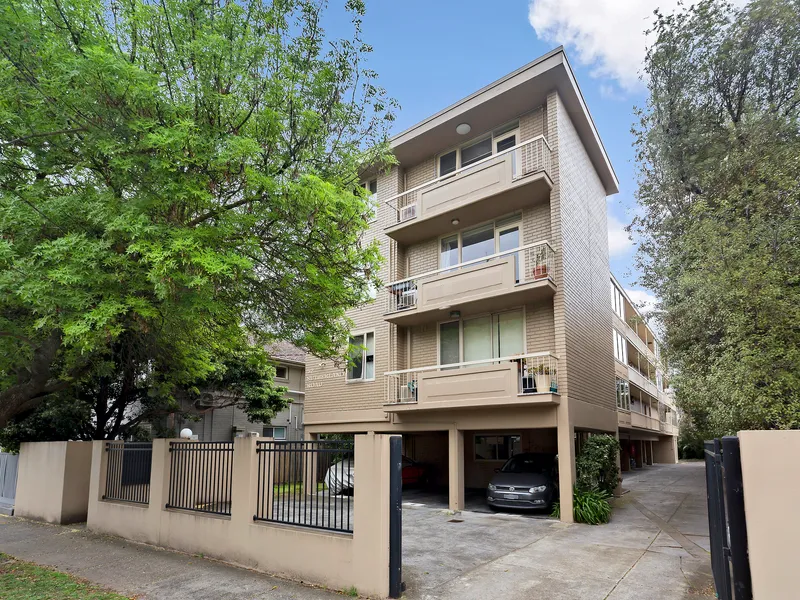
{"type": "Point", "coordinates": [408, 212]}
{"type": "Point", "coordinates": [252, 434]}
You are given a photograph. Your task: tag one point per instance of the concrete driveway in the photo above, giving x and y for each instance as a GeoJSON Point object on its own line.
{"type": "Point", "coordinates": [654, 547]}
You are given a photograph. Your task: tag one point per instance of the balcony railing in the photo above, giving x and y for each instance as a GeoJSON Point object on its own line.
{"type": "Point", "coordinates": [529, 157]}
{"type": "Point", "coordinates": [536, 373]}
{"type": "Point", "coordinates": [533, 262]}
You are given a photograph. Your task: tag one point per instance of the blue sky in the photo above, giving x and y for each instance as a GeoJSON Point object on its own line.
{"type": "Point", "coordinates": [431, 53]}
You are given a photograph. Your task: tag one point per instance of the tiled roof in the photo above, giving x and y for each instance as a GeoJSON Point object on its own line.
{"type": "Point", "coordinates": [286, 351]}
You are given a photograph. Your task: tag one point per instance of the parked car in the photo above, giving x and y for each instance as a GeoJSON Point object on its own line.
{"type": "Point", "coordinates": [340, 476]}
{"type": "Point", "coordinates": [415, 473]}
{"type": "Point", "coordinates": [526, 481]}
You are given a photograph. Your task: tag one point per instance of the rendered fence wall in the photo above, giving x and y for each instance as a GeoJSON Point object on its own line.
{"type": "Point", "coordinates": [337, 560]}
{"type": "Point", "coordinates": [771, 477]}
{"type": "Point", "coordinates": [53, 481]}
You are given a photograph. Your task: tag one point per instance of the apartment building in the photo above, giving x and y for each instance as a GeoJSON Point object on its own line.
{"type": "Point", "coordinates": [212, 423]}
{"type": "Point", "coordinates": [491, 335]}
{"type": "Point", "coordinates": [647, 416]}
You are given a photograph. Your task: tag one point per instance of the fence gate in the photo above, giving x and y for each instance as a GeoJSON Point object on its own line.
{"type": "Point", "coordinates": [8, 480]}
{"type": "Point", "coordinates": [726, 519]}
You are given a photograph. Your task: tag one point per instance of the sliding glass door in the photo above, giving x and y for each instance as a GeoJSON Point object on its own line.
{"type": "Point", "coordinates": [482, 338]}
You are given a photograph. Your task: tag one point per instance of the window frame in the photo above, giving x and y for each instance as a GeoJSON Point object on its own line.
{"type": "Point", "coordinates": [488, 434]}
{"type": "Point", "coordinates": [620, 339]}
{"type": "Point", "coordinates": [362, 379]}
{"type": "Point", "coordinates": [623, 397]}
{"type": "Point", "coordinates": [505, 130]}
{"type": "Point", "coordinates": [460, 322]}
{"type": "Point", "coordinates": [373, 197]}
{"type": "Point", "coordinates": [618, 301]}
{"type": "Point", "coordinates": [278, 377]}
{"type": "Point", "coordinates": [505, 220]}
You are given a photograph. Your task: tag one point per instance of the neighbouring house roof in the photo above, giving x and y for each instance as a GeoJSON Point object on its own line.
{"type": "Point", "coordinates": [285, 351]}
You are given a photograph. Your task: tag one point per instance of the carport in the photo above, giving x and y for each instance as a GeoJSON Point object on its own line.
{"type": "Point", "coordinates": [481, 453]}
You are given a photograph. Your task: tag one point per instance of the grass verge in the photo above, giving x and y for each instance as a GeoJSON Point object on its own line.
{"type": "Point", "coordinates": [20, 580]}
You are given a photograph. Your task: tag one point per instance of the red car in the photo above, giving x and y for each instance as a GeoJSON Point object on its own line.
{"type": "Point", "coordinates": [414, 473]}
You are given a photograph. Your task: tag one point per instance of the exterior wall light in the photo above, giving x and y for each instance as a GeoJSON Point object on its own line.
{"type": "Point", "coordinates": [463, 129]}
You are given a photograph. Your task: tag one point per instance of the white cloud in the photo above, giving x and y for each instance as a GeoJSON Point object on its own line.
{"type": "Point", "coordinates": [606, 34]}
{"type": "Point", "coordinates": [644, 300]}
{"type": "Point", "coordinates": [619, 241]}
{"type": "Point", "coordinates": [610, 92]}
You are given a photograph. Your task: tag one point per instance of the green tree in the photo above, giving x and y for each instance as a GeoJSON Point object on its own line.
{"type": "Point", "coordinates": [182, 172]}
{"type": "Point", "coordinates": [718, 150]}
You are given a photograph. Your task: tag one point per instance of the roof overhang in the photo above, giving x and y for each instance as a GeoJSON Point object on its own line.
{"type": "Point", "coordinates": [504, 100]}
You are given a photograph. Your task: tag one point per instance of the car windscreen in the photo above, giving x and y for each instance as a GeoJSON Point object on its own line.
{"type": "Point", "coordinates": [528, 463]}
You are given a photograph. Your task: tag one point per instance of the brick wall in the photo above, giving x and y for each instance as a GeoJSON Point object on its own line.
{"type": "Point", "coordinates": [584, 270]}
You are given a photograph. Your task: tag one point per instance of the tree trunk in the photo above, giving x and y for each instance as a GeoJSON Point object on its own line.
{"type": "Point", "coordinates": [34, 384]}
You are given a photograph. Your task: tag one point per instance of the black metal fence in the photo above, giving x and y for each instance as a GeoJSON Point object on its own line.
{"type": "Point", "coordinates": [309, 484]}
{"type": "Point", "coordinates": [726, 519]}
{"type": "Point", "coordinates": [201, 476]}
{"type": "Point", "coordinates": [128, 471]}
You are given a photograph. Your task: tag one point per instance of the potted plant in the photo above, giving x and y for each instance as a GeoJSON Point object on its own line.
{"type": "Point", "coordinates": [540, 262]}
{"type": "Point", "coordinates": [543, 379]}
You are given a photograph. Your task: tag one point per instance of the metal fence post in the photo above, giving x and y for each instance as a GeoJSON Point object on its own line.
{"type": "Point", "coordinates": [395, 516]}
{"type": "Point", "coordinates": [737, 524]}
{"type": "Point", "coordinates": [717, 527]}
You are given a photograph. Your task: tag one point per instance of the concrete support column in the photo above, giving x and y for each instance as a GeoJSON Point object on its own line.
{"type": "Point", "coordinates": [456, 468]}
{"type": "Point", "coordinates": [566, 463]}
{"type": "Point", "coordinates": [650, 453]}
{"type": "Point", "coordinates": [639, 451]}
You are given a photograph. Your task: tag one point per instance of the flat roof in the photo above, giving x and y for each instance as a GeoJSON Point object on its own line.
{"type": "Point", "coordinates": [504, 100]}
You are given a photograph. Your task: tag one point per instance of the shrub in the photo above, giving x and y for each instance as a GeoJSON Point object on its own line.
{"type": "Point", "coordinates": [588, 506]}
{"type": "Point", "coordinates": [596, 466]}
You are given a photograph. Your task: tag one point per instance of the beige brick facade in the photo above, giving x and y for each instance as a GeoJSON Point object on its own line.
{"type": "Point", "coordinates": [572, 321]}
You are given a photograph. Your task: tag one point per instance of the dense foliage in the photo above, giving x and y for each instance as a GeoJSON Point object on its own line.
{"type": "Point", "coordinates": [597, 477]}
{"type": "Point", "coordinates": [719, 196]}
{"type": "Point", "coordinates": [588, 506]}
{"type": "Point", "coordinates": [179, 184]}
{"type": "Point", "coordinates": [596, 465]}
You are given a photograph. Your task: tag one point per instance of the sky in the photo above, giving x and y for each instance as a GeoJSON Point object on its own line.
{"type": "Point", "coordinates": [431, 53]}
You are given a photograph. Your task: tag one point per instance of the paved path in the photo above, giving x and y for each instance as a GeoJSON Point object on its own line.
{"type": "Point", "coordinates": [654, 547]}
{"type": "Point", "coordinates": [142, 571]}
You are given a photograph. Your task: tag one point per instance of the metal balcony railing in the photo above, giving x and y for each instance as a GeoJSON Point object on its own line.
{"type": "Point", "coordinates": [537, 374]}
{"type": "Point", "coordinates": [529, 157]}
{"type": "Point", "coordinates": [534, 261]}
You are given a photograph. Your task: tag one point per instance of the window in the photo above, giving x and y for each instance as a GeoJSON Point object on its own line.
{"type": "Point", "coordinates": [277, 433]}
{"type": "Point", "coordinates": [623, 395]}
{"type": "Point", "coordinates": [447, 163]}
{"type": "Point", "coordinates": [474, 151]}
{"type": "Point", "coordinates": [281, 372]}
{"type": "Point", "coordinates": [497, 447]}
{"type": "Point", "coordinates": [619, 302]}
{"type": "Point", "coordinates": [479, 338]}
{"type": "Point", "coordinates": [479, 242]}
{"type": "Point", "coordinates": [620, 347]}
{"type": "Point", "coordinates": [372, 187]}
{"type": "Point", "coordinates": [362, 357]}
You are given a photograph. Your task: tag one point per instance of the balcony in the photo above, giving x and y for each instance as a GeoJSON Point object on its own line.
{"type": "Point", "coordinates": [524, 380]}
{"type": "Point", "coordinates": [521, 174]}
{"type": "Point", "coordinates": [640, 421]}
{"type": "Point", "coordinates": [493, 282]}
{"type": "Point", "coordinates": [668, 428]}
{"type": "Point", "coordinates": [642, 381]}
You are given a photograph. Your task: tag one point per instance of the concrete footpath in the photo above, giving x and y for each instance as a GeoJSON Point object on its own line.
{"type": "Point", "coordinates": [141, 571]}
